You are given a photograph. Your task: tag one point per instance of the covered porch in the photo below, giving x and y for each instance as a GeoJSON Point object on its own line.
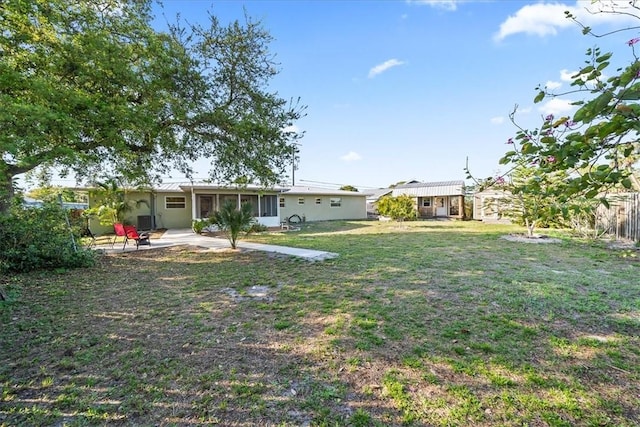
{"type": "Point", "coordinates": [205, 202]}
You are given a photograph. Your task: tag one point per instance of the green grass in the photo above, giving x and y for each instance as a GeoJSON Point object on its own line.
{"type": "Point", "coordinates": [420, 323]}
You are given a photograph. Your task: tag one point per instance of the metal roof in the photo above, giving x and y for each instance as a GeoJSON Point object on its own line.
{"type": "Point", "coordinates": [430, 189]}
{"type": "Point", "coordinates": [304, 190]}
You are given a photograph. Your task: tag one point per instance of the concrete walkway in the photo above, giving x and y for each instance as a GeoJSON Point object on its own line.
{"type": "Point", "coordinates": [175, 237]}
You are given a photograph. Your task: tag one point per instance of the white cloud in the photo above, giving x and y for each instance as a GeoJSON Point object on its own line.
{"type": "Point", "coordinates": [557, 107]}
{"type": "Point", "coordinates": [551, 85]}
{"type": "Point", "coordinates": [381, 68]}
{"type": "Point", "coordinates": [351, 156]}
{"type": "Point", "coordinates": [525, 110]}
{"type": "Point", "coordinates": [565, 75]}
{"type": "Point", "coordinates": [546, 19]}
{"type": "Point", "coordinates": [449, 5]}
{"type": "Point", "coordinates": [497, 120]}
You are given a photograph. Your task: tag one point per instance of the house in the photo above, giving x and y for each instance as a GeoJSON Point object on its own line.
{"type": "Point", "coordinates": [321, 204]}
{"type": "Point", "coordinates": [443, 199]}
{"type": "Point", "coordinates": [176, 205]}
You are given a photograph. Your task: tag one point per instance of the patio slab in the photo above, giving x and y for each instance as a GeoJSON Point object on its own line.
{"type": "Point", "coordinates": [175, 237]}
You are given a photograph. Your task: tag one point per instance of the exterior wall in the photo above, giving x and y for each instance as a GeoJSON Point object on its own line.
{"type": "Point", "coordinates": [450, 203]}
{"type": "Point", "coordinates": [351, 207]}
{"type": "Point", "coordinates": [173, 217]}
{"type": "Point", "coordinates": [141, 204]}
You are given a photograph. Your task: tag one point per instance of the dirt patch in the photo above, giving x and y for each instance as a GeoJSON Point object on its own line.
{"type": "Point", "coordinates": [523, 238]}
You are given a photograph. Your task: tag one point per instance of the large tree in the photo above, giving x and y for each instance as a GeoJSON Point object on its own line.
{"type": "Point", "coordinates": [92, 87]}
{"type": "Point", "coordinates": [599, 146]}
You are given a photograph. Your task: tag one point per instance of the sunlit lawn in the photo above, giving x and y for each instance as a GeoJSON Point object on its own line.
{"type": "Point", "coordinates": [425, 323]}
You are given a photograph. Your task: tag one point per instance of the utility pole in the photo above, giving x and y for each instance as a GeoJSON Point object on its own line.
{"type": "Point", "coordinates": [293, 164]}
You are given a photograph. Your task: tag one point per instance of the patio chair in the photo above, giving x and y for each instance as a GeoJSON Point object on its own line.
{"type": "Point", "coordinates": [132, 233]}
{"type": "Point", "coordinates": [86, 232]}
{"type": "Point", "coordinates": [118, 230]}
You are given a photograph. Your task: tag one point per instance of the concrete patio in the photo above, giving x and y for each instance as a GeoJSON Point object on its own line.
{"type": "Point", "coordinates": [176, 237]}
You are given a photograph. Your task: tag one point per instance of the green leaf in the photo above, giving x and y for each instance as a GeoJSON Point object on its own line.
{"type": "Point", "coordinates": [626, 183]}
{"type": "Point", "coordinates": [539, 97]}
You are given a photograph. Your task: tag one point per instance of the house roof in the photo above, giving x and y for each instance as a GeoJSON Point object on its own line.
{"type": "Point", "coordinates": [304, 190]}
{"type": "Point", "coordinates": [376, 194]}
{"type": "Point", "coordinates": [430, 189]}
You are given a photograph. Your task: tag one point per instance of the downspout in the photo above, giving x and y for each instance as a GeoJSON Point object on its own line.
{"type": "Point", "coordinates": [152, 205]}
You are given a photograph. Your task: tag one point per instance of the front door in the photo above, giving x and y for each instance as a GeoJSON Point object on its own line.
{"type": "Point", "coordinates": [441, 206]}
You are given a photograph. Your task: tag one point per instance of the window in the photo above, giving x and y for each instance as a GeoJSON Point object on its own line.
{"type": "Point", "coordinates": [282, 202]}
{"type": "Point", "coordinates": [318, 201]}
{"type": "Point", "coordinates": [268, 205]}
{"type": "Point", "coordinates": [426, 202]}
{"type": "Point", "coordinates": [301, 200]}
{"type": "Point", "coordinates": [336, 202]}
{"type": "Point", "coordinates": [175, 202]}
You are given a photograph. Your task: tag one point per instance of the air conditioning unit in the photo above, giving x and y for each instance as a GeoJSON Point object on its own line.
{"type": "Point", "coordinates": [144, 222]}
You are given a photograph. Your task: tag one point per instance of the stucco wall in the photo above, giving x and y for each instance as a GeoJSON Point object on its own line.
{"type": "Point", "coordinates": [176, 217]}
{"type": "Point", "coordinates": [140, 204]}
{"type": "Point", "coordinates": [351, 207]}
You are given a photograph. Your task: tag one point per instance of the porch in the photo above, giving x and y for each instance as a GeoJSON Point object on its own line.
{"type": "Point", "coordinates": [265, 206]}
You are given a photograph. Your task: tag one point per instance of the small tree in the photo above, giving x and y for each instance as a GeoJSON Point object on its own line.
{"type": "Point", "coordinates": [348, 188]}
{"type": "Point", "coordinates": [114, 204]}
{"type": "Point", "coordinates": [232, 221]}
{"type": "Point", "coordinates": [531, 199]}
{"type": "Point", "coordinates": [398, 208]}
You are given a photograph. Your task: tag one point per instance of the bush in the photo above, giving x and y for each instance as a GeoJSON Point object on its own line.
{"type": "Point", "coordinates": [199, 224]}
{"type": "Point", "coordinates": [256, 227]}
{"type": "Point", "coordinates": [399, 208]}
{"type": "Point", "coordinates": [39, 238]}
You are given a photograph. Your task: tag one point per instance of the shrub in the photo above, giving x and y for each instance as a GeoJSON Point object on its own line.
{"type": "Point", "coordinates": [399, 208]}
{"type": "Point", "coordinates": [256, 227]}
{"type": "Point", "coordinates": [199, 224]}
{"type": "Point", "coordinates": [39, 238]}
{"type": "Point", "coordinates": [232, 221]}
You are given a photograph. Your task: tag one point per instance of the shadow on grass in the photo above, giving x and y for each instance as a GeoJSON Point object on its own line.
{"type": "Point", "coordinates": [404, 328]}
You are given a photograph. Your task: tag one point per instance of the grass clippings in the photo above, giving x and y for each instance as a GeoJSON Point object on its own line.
{"type": "Point", "coordinates": [422, 323]}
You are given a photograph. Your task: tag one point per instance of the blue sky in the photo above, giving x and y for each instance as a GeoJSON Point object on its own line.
{"type": "Point", "coordinates": [400, 90]}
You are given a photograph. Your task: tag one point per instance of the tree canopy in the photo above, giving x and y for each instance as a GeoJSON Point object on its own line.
{"type": "Point", "coordinates": [92, 87]}
{"type": "Point", "coordinates": [598, 147]}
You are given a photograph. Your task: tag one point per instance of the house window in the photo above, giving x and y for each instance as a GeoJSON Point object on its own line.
{"type": "Point", "coordinates": [175, 202]}
{"type": "Point", "coordinates": [426, 202]}
{"type": "Point", "coordinates": [318, 201]}
{"type": "Point", "coordinates": [336, 202]}
{"type": "Point", "coordinates": [301, 200]}
{"type": "Point", "coordinates": [268, 205]}
{"type": "Point", "coordinates": [282, 202]}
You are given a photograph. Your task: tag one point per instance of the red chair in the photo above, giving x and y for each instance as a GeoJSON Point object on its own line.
{"type": "Point", "coordinates": [132, 233]}
{"type": "Point", "coordinates": [118, 229]}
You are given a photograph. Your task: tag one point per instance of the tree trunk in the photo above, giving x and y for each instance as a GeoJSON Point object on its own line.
{"type": "Point", "coordinates": [531, 225]}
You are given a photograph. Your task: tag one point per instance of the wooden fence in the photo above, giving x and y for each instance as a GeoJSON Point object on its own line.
{"type": "Point", "coordinates": [622, 218]}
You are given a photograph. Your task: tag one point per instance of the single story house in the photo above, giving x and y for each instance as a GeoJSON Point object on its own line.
{"type": "Point", "coordinates": [443, 199]}
{"type": "Point", "coordinates": [176, 205]}
{"type": "Point", "coordinates": [321, 204]}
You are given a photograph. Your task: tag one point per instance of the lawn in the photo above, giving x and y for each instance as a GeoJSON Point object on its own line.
{"type": "Point", "coordinates": [425, 323]}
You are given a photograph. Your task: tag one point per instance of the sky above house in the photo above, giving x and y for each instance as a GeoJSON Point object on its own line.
{"type": "Point", "coordinates": [398, 90]}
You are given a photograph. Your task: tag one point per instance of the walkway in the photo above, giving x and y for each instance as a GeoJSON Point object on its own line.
{"type": "Point", "coordinates": [174, 237]}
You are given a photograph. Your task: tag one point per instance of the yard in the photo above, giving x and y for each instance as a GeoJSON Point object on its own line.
{"type": "Point", "coordinates": [422, 323]}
